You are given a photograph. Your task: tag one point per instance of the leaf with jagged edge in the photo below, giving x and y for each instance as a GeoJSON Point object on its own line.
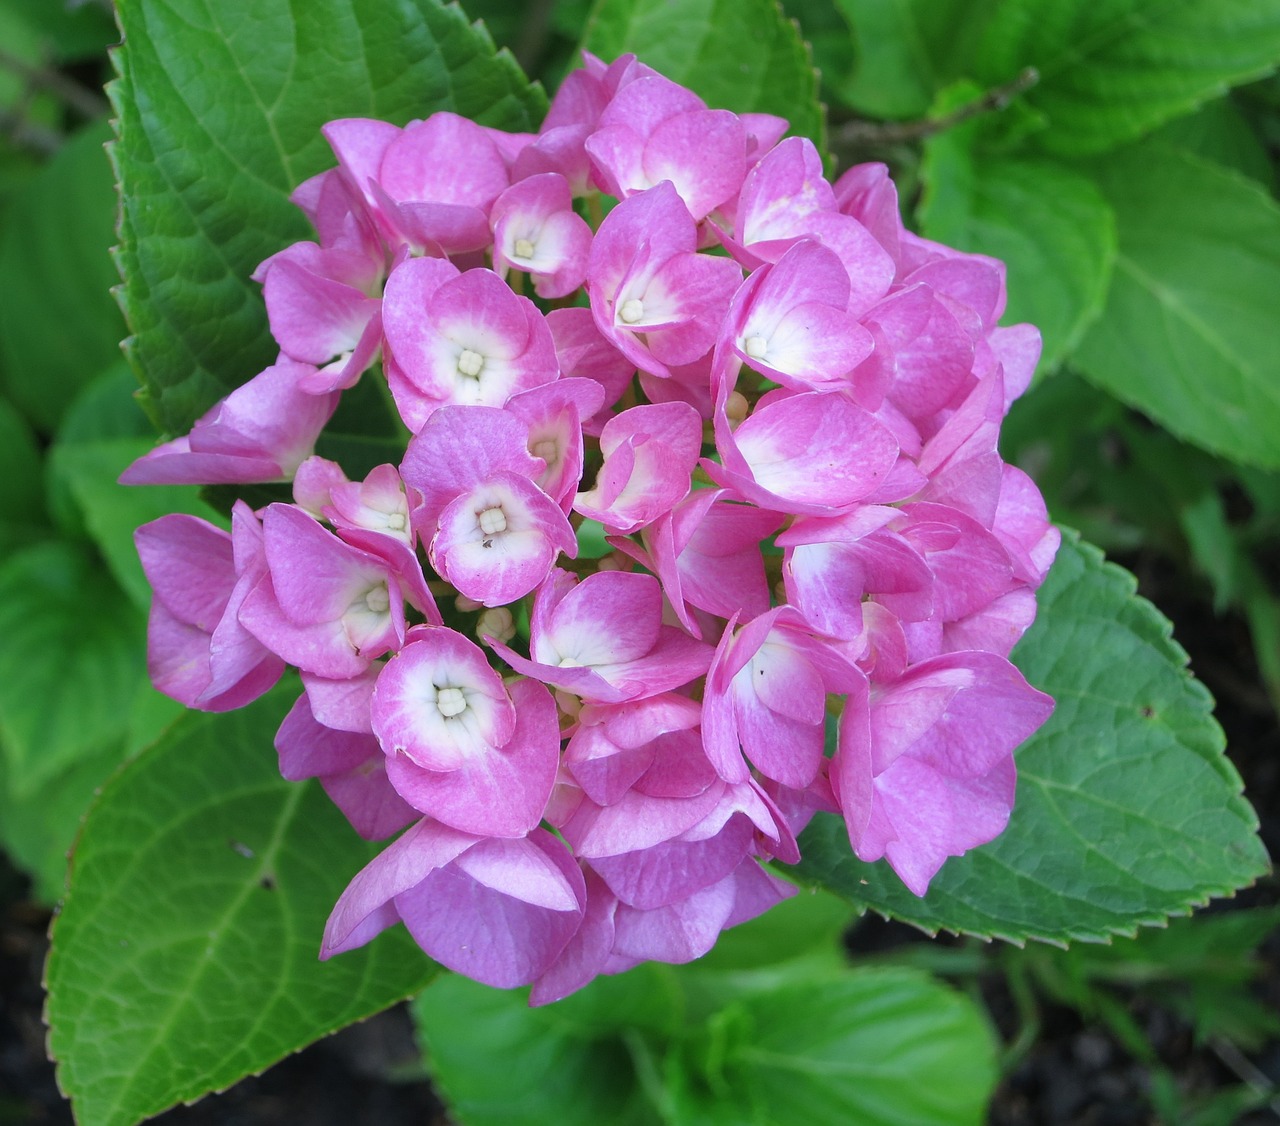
{"type": "Point", "coordinates": [185, 956]}
{"type": "Point", "coordinates": [1127, 810]}
{"type": "Point", "coordinates": [219, 108]}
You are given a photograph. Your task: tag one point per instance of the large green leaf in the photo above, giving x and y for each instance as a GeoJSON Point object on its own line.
{"type": "Point", "coordinates": [1127, 811]}
{"type": "Point", "coordinates": [22, 498]}
{"type": "Point", "coordinates": [111, 512]}
{"type": "Point", "coordinates": [220, 106]}
{"type": "Point", "coordinates": [1049, 224]}
{"type": "Point", "coordinates": [792, 1043]}
{"type": "Point", "coordinates": [908, 50]}
{"type": "Point", "coordinates": [743, 55]}
{"type": "Point", "coordinates": [71, 661]}
{"type": "Point", "coordinates": [58, 324]}
{"type": "Point", "coordinates": [1112, 70]}
{"type": "Point", "coordinates": [185, 955]}
{"type": "Point", "coordinates": [1189, 331]}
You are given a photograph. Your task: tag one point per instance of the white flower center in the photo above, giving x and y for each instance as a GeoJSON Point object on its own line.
{"type": "Point", "coordinates": [451, 702]}
{"type": "Point", "coordinates": [756, 347]}
{"type": "Point", "coordinates": [523, 248]}
{"type": "Point", "coordinates": [470, 363]}
{"type": "Point", "coordinates": [547, 449]}
{"type": "Point", "coordinates": [493, 521]}
{"type": "Point", "coordinates": [378, 600]}
{"type": "Point", "coordinates": [396, 521]}
{"type": "Point", "coordinates": [569, 663]}
{"type": "Point", "coordinates": [632, 311]}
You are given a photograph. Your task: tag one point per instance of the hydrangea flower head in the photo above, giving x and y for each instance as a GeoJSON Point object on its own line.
{"type": "Point", "coordinates": [700, 527]}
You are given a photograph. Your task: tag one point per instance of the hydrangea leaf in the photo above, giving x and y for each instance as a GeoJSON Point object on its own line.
{"type": "Point", "coordinates": [219, 106]}
{"type": "Point", "coordinates": [1048, 223]}
{"type": "Point", "coordinates": [849, 1045]}
{"type": "Point", "coordinates": [907, 50]}
{"type": "Point", "coordinates": [779, 1044]}
{"type": "Point", "coordinates": [568, 1063]}
{"type": "Point", "coordinates": [37, 828]}
{"type": "Point", "coordinates": [743, 55]}
{"type": "Point", "coordinates": [1188, 333]}
{"type": "Point", "coordinates": [58, 324]}
{"type": "Point", "coordinates": [22, 514]}
{"type": "Point", "coordinates": [1127, 811]}
{"type": "Point", "coordinates": [1112, 70]}
{"type": "Point", "coordinates": [73, 650]}
{"type": "Point", "coordinates": [185, 955]}
{"type": "Point", "coordinates": [111, 512]}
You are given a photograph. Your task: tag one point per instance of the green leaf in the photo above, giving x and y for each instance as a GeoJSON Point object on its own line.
{"type": "Point", "coordinates": [22, 515]}
{"type": "Point", "coordinates": [1221, 132]}
{"type": "Point", "coordinates": [111, 512]}
{"type": "Point", "coordinates": [743, 55]}
{"type": "Point", "coordinates": [907, 50]}
{"type": "Point", "coordinates": [1049, 224]}
{"type": "Point", "coordinates": [1112, 70]}
{"type": "Point", "coordinates": [500, 1063]}
{"type": "Point", "coordinates": [1127, 810]}
{"type": "Point", "coordinates": [73, 651]}
{"type": "Point", "coordinates": [69, 30]}
{"type": "Point", "coordinates": [879, 1047]}
{"type": "Point", "coordinates": [220, 106]}
{"type": "Point", "coordinates": [58, 324]}
{"type": "Point", "coordinates": [185, 955]}
{"type": "Point", "coordinates": [1188, 333]}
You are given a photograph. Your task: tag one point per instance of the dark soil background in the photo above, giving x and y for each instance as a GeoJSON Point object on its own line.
{"type": "Point", "coordinates": [1075, 1074]}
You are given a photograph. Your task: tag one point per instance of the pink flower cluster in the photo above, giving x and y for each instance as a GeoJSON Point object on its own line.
{"type": "Point", "coordinates": [778, 411]}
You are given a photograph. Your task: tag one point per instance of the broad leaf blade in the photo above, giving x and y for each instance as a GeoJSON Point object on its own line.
{"type": "Point", "coordinates": [907, 50]}
{"type": "Point", "coordinates": [220, 107]}
{"type": "Point", "coordinates": [1188, 333]}
{"type": "Point", "coordinates": [72, 659]}
{"type": "Point", "coordinates": [879, 1047]}
{"type": "Point", "coordinates": [185, 956]}
{"type": "Point", "coordinates": [58, 325]}
{"type": "Point", "coordinates": [743, 55]}
{"type": "Point", "coordinates": [1112, 70]}
{"type": "Point", "coordinates": [1127, 811]}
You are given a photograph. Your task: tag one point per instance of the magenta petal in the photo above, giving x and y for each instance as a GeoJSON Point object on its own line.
{"type": "Point", "coordinates": [365, 908]}
{"type": "Point", "coordinates": [503, 913]}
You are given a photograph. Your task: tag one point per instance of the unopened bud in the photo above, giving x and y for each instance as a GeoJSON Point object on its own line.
{"type": "Point", "coordinates": [497, 623]}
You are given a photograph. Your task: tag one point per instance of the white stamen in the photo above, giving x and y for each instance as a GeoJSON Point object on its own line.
{"type": "Point", "coordinates": [470, 363]}
{"type": "Point", "coordinates": [378, 600]}
{"type": "Point", "coordinates": [451, 702]}
{"type": "Point", "coordinates": [396, 521]}
{"type": "Point", "coordinates": [569, 663]}
{"type": "Point", "coordinates": [493, 521]}
{"type": "Point", "coordinates": [756, 347]}
{"type": "Point", "coordinates": [632, 311]}
{"type": "Point", "coordinates": [523, 248]}
{"type": "Point", "coordinates": [547, 449]}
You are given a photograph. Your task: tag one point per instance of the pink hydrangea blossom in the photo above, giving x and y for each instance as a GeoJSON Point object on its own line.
{"type": "Point", "coordinates": [718, 524]}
